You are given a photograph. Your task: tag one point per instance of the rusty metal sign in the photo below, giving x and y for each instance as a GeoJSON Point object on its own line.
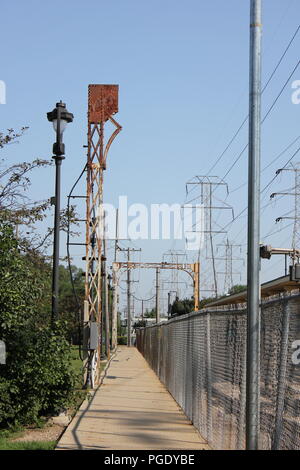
{"type": "Point", "coordinates": [103, 102]}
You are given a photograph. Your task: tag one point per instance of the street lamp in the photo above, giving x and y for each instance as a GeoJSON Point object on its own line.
{"type": "Point", "coordinates": [59, 117]}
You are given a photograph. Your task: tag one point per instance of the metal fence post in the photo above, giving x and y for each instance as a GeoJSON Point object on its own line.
{"type": "Point", "coordinates": [282, 374]}
{"type": "Point", "coordinates": [209, 379]}
{"type": "Point", "coordinates": [253, 263]}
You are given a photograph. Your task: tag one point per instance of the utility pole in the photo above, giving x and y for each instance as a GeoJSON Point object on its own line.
{"type": "Point", "coordinates": [128, 302]}
{"type": "Point", "coordinates": [157, 295]}
{"type": "Point", "coordinates": [106, 307]}
{"type": "Point", "coordinates": [114, 320]}
{"type": "Point", "coordinates": [143, 300]}
{"type": "Point", "coordinates": [253, 264]}
{"type": "Point", "coordinates": [117, 234]}
{"type": "Point", "coordinates": [129, 281]}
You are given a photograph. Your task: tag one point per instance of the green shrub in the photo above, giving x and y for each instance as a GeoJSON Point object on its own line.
{"type": "Point", "coordinates": [122, 340]}
{"type": "Point", "coordinates": [38, 378]}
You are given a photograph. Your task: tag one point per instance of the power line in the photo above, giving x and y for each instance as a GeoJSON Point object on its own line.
{"type": "Point", "coordinates": [265, 117]}
{"type": "Point", "coordinates": [246, 146]}
{"type": "Point", "coordinates": [264, 88]}
{"type": "Point", "coordinates": [79, 315]}
{"type": "Point", "coordinates": [143, 300]}
{"type": "Point", "coordinates": [270, 164]}
{"type": "Point", "coordinates": [262, 191]}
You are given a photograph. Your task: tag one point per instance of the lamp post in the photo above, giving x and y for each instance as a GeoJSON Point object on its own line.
{"type": "Point", "coordinates": [59, 117]}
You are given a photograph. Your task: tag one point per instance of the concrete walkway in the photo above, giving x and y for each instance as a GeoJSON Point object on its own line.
{"type": "Point", "coordinates": [131, 410]}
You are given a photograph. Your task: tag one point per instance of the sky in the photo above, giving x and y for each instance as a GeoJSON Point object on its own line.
{"type": "Point", "coordinates": [183, 73]}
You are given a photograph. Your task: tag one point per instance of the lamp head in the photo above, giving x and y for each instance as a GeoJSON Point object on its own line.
{"type": "Point", "coordinates": [59, 117]}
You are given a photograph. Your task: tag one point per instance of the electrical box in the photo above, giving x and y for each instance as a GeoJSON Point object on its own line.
{"type": "Point", "coordinates": [2, 352]}
{"type": "Point", "coordinates": [265, 251]}
{"type": "Point", "coordinates": [94, 335]}
{"type": "Point", "coordinates": [295, 272]}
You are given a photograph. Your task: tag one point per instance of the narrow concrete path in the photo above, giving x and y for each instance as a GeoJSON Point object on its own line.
{"type": "Point", "coordinates": [131, 410]}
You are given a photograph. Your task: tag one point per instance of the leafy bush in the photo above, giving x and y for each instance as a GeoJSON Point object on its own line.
{"type": "Point", "coordinates": [38, 378]}
{"type": "Point", "coordinates": [122, 340]}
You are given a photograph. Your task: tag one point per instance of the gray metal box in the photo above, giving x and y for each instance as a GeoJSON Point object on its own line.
{"type": "Point", "coordinates": [2, 352]}
{"type": "Point", "coordinates": [94, 335]}
{"type": "Point", "coordinates": [295, 272]}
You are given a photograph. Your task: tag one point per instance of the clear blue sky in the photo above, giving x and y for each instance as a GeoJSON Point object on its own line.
{"type": "Point", "coordinates": [182, 68]}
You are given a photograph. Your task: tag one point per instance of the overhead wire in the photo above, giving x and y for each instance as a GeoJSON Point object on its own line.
{"type": "Point", "coordinates": [79, 313]}
{"type": "Point", "coordinates": [263, 90]}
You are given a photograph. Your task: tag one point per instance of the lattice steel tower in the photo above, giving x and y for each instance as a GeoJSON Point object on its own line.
{"type": "Point", "coordinates": [296, 193]}
{"type": "Point", "coordinates": [296, 230]}
{"type": "Point", "coordinates": [102, 104]}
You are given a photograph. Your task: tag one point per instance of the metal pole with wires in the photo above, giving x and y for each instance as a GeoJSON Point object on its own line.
{"type": "Point", "coordinates": [157, 303]}
{"type": "Point", "coordinates": [128, 301]}
{"type": "Point", "coordinates": [106, 300]}
{"type": "Point", "coordinates": [114, 315]}
{"type": "Point", "coordinates": [253, 265]}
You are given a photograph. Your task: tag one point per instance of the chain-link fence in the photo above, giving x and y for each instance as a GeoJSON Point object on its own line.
{"type": "Point", "coordinates": [201, 359]}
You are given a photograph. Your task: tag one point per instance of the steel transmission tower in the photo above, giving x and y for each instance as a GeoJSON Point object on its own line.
{"type": "Point", "coordinates": [102, 105]}
{"type": "Point", "coordinates": [295, 192]}
{"type": "Point", "coordinates": [296, 231]}
{"type": "Point", "coordinates": [175, 257]}
{"type": "Point", "coordinates": [229, 259]}
{"type": "Point", "coordinates": [210, 202]}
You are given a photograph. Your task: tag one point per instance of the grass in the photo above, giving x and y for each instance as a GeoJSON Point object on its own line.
{"type": "Point", "coordinates": [77, 364]}
{"type": "Point", "coordinates": [6, 444]}
{"type": "Point", "coordinates": [78, 369]}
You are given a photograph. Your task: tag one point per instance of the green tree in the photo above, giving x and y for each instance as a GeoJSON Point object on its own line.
{"type": "Point", "coordinates": [237, 289]}
{"type": "Point", "coordinates": [70, 306]}
{"type": "Point", "coordinates": [150, 314]}
{"type": "Point", "coordinates": [181, 307]}
{"type": "Point", "coordinates": [38, 377]}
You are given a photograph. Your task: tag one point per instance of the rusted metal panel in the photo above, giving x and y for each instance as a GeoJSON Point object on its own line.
{"type": "Point", "coordinates": [103, 102]}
